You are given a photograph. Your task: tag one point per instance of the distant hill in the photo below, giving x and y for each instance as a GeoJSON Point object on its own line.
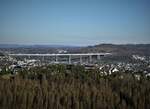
{"type": "Point", "coordinates": [128, 49]}
{"type": "Point", "coordinates": [33, 46]}
{"type": "Point", "coordinates": [14, 48]}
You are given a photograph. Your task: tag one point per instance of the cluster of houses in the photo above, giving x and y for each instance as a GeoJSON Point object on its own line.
{"type": "Point", "coordinates": [12, 65]}
{"type": "Point", "coordinates": [8, 63]}
{"type": "Point", "coordinates": [136, 69]}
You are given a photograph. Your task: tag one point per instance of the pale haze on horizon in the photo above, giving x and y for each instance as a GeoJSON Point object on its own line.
{"type": "Point", "coordinates": [74, 22]}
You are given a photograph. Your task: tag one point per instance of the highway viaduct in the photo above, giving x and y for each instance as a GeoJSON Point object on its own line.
{"type": "Point", "coordinates": [69, 55]}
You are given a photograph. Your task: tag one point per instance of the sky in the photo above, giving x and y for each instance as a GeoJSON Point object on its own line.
{"type": "Point", "coordinates": [74, 22]}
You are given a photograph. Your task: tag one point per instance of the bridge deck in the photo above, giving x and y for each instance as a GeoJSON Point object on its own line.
{"type": "Point", "coordinates": [73, 54]}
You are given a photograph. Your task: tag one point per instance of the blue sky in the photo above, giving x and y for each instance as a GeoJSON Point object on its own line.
{"type": "Point", "coordinates": [74, 22]}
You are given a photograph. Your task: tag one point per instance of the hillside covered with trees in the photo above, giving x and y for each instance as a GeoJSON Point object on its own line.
{"type": "Point", "coordinates": [73, 87]}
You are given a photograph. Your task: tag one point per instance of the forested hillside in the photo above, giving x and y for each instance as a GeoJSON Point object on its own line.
{"type": "Point", "coordinates": [59, 87]}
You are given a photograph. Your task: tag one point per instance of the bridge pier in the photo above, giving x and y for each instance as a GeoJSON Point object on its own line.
{"type": "Point", "coordinates": [69, 59]}
{"type": "Point", "coordinates": [56, 58]}
{"type": "Point", "coordinates": [90, 58]}
{"type": "Point", "coordinates": [98, 57]}
{"type": "Point", "coordinates": [28, 57]}
{"type": "Point", "coordinates": [80, 59]}
{"type": "Point", "coordinates": [43, 58]}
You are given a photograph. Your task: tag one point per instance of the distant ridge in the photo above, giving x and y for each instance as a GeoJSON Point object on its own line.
{"type": "Point", "coordinates": [119, 49]}
{"type": "Point", "coordinates": [34, 46]}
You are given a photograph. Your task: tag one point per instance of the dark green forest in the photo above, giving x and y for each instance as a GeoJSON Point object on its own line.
{"type": "Point", "coordinates": [73, 87]}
